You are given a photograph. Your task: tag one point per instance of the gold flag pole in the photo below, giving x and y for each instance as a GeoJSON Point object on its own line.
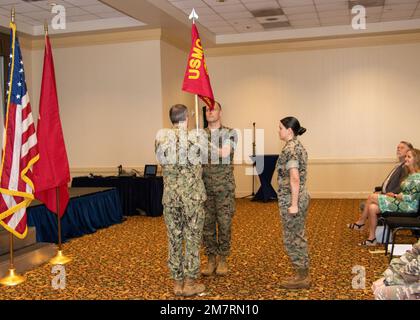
{"type": "Point", "coordinates": [12, 278]}
{"type": "Point", "coordinates": [60, 258]}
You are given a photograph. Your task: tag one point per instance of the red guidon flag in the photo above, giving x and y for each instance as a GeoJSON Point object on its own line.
{"type": "Point", "coordinates": [197, 78]}
{"type": "Point", "coordinates": [52, 170]}
{"type": "Point", "coordinates": [20, 149]}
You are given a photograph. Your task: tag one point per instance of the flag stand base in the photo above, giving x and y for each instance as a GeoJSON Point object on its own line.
{"type": "Point", "coordinates": [12, 279]}
{"type": "Point", "coordinates": [60, 258]}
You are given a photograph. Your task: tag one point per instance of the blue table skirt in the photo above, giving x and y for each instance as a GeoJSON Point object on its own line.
{"type": "Point", "coordinates": [84, 215]}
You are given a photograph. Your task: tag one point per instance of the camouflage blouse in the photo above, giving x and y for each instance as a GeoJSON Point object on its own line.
{"type": "Point", "coordinates": [217, 171]}
{"type": "Point", "coordinates": [405, 270]}
{"type": "Point", "coordinates": [178, 152]}
{"type": "Point", "coordinates": [293, 155]}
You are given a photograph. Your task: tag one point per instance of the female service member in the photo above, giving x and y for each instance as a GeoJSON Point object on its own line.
{"type": "Point", "coordinates": [294, 201]}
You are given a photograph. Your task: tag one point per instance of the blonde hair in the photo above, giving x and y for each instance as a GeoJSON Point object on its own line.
{"type": "Point", "coordinates": [416, 155]}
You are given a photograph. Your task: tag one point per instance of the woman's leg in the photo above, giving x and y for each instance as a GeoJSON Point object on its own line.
{"type": "Point", "coordinates": [373, 210]}
{"type": "Point", "coordinates": [372, 199]}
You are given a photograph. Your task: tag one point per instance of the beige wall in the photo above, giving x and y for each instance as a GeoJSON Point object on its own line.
{"type": "Point", "coordinates": [174, 62]}
{"type": "Point", "coordinates": [110, 101]}
{"type": "Point", "coordinates": [357, 104]}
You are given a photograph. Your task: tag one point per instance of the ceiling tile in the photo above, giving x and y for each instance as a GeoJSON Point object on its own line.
{"type": "Point", "coordinates": [215, 3]}
{"type": "Point", "coordinates": [22, 7]}
{"type": "Point", "coordinates": [199, 10]}
{"type": "Point", "coordinates": [107, 15]}
{"type": "Point", "coordinates": [262, 5]}
{"type": "Point", "coordinates": [249, 28]}
{"type": "Point", "coordinates": [299, 10]}
{"type": "Point", "coordinates": [230, 8]}
{"type": "Point", "coordinates": [81, 3]}
{"type": "Point", "coordinates": [46, 4]}
{"type": "Point", "coordinates": [40, 15]}
{"type": "Point", "coordinates": [98, 9]}
{"type": "Point", "coordinates": [236, 15]}
{"type": "Point", "coordinates": [294, 3]}
{"type": "Point", "coordinates": [75, 11]}
{"type": "Point", "coordinates": [189, 4]}
{"type": "Point", "coordinates": [303, 16]}
{"type": "Point", "coordinates": [400, 7]}
{"type": "Point", "coordinates": [86, 17]}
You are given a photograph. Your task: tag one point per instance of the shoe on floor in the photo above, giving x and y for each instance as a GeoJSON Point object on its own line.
{"type": "Point", "coordinates": [368, 242]}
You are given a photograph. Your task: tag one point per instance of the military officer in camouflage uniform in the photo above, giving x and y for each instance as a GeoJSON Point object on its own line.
{"type": "Point", "coordinates": [183, 198]}
{"type": "Point", "coordinates": [401, 280]}
{"type": "Point", "coordinates": [220, 187]}
{"type": "Point", "coordinates": [294, 201]}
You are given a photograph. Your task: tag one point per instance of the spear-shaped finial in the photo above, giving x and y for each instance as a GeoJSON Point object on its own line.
{"type": "Point", "coordinates": [193, 16]}
{"type": "Point", "coordinates": [13, 14]}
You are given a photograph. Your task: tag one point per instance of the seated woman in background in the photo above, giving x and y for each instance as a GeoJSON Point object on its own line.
{"type": "Point", "coordinates": [406, 201]}
{"type": "Point", "coordinates": [401, 280]}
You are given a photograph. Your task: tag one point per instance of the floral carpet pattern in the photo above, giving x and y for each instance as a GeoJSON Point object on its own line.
{"type": "Point", "coordinates": [129, 260]}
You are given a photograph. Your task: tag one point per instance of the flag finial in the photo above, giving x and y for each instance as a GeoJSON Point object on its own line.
{"type": "Point", "coordinates": [193, 16]}
{"type": "Point", "coordinates": [13, 14]}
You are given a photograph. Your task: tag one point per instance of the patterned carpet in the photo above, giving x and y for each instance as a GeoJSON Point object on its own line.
{"type": "Point", "coordinates": [128, 261]}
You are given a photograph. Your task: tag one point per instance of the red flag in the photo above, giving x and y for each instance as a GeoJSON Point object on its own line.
{"type": "Point", "coordinates": [20, 150]}
{"type": "Point", "coordinates": [52, 170]}
{"type": "Point", "coordinates": [197, 78]}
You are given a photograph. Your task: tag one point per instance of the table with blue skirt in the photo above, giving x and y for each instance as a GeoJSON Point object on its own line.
{"type": "Point", "coordinates": [144, 193]}
{"type": "Point", "coordinates": [88, 210]}
{"type": "Point", "coordinates": [265, 166]}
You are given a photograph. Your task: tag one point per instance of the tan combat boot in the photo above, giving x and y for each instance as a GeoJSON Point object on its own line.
{"type": "Point", "coordinates": [211, 265]}
{"type": "Point", "coordinates": [301, 281]}
{"type": "Point", "coordinates": [178, 284]}
{"type": "Point", "coordinates": [192, 287]}
{"type": "Point", "coordinates": [222, 267]}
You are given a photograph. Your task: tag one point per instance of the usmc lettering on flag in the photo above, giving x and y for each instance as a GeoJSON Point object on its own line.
{"type": "Point", "coordinates": [196, 79]}
{"type": "Point", "coordinates": [196, 61]}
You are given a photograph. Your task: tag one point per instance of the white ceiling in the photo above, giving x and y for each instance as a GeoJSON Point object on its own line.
{"type": "Point", "coordinates": [235, 16]}
{"type": "Point", "coordinates": [81, 15]}
{"type": "Point", "coordinates": [227, 22]}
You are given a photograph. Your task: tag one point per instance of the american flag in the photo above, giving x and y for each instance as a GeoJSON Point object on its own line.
{"type": "Point", "coordinates": [20, 150]}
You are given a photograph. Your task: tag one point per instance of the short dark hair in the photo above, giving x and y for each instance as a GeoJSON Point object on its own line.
{"type": "Point", "coordinates": [178, 113]}
{"type": "Point", "coordinates": [293, 123]}
{"type": "Point", "coordinates": [408, 144]}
